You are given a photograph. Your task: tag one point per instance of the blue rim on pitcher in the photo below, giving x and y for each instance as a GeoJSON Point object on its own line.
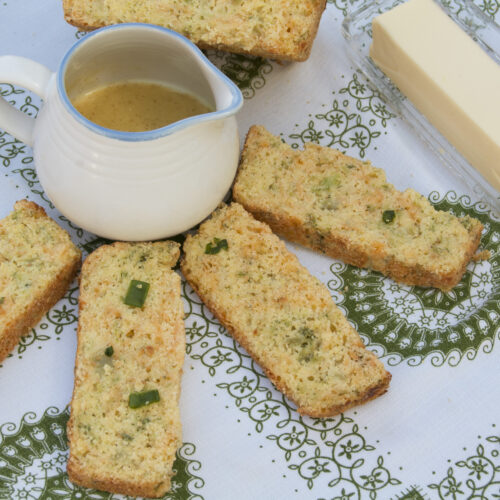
{"type": "Point", "coordinates": [234, 106]}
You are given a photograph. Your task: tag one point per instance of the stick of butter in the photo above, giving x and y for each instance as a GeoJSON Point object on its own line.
{"type": "Point", "coordinates": [446, 75]}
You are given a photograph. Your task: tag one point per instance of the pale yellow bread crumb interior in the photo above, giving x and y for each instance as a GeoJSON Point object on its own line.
{"type": "Point", "coordinates": [36, 256]}
{"type": "Point", "coordinates": [113, 446]}
{"type": "Point", "coordinates": [330, 196]}
{"type": "Point", "coordinates": [281, 314]}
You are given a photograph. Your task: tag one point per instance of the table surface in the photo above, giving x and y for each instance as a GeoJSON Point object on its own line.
{"type": "Point", "coordinates": [435, 434]}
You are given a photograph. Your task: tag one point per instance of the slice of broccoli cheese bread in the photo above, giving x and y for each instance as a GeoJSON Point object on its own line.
{"type": "Point", "coordinates": [278, 29]}
{"type": "Point", "coordinates": [124, 427]}
{"type": "Point", "coordinates": [282, 315]}
{"type": "Point", "coordinates": [38, 262]}
{"type": "Point", "coordinates": [346, 209]}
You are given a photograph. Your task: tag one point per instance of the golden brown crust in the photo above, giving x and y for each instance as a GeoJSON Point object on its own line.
{"type": "Point", "coordinates": [337, 246]}
{"type": "Point", "coordinates": [41, 303]}
{"type": "Point", "coordinates": [371, 392]}
{"type": "Point", "coordinates": [38, 308]}
{"type": "Point", "coordinates": [29, 205]}
{"type": "Point", "coordinates": [482, 255]}
{"type": "Point", "coordinates": [317, 19]}
{"type": "Point", "coordinates": [265, 50]}
{"type": "Point", "coordinates": [283, 316]}
{"type": "Point", "coordinates": [78, 475]}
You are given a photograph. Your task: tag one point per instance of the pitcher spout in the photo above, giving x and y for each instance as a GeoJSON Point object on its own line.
{"type": "Point", "coordinates": [148, 53]}
{"type": "Point", "coordinates": [227, 96]}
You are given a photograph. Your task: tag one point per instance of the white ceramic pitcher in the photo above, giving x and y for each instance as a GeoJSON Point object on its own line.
{"type": "Point", "coordinates": [128, 185]}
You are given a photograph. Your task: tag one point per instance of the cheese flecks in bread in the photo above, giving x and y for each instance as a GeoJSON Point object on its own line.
{"type": "Point", "coordinates": [345, 208]}
{"type": "Point", "coordinates": [124, 427]}
{"type": "Point", "coordinates": [282, 315]}
{"type": "Point", "coordinates": [38, 261]}
{"type": "Point", "coordinates": [277, 29]}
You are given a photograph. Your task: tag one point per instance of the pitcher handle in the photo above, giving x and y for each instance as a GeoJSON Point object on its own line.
{"type": "Point", "coordinates": [30, 75]}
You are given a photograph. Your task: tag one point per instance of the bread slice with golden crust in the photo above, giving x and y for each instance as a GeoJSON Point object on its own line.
{"type": "Point", "coordinates": [38, 262]}
{"type": "Point", "coordinates": [124, 428]}
{"type": "Point", "coordinates": [282, 315]}
{"type": "Point", "coordinates": [345, 208]}
{"type": "Point", "coordinates": [277, 29]}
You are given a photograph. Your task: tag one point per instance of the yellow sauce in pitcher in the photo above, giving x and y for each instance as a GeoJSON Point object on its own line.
{"type": "Point", "coordinates": [134, 106]}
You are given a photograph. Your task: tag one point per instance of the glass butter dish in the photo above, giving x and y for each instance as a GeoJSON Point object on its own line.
{"type": "Point", "coordinates": [357, 30]}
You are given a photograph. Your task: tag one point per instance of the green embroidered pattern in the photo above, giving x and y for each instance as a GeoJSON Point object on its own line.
{"type": "Point", "coordinates": [344, 128]}
{"type": "Point", "coordinates": [477, 476]}
{"type": "Point", "coordinates": [325, 453]}
{"type": "Point", "coordinates": [33, 460]}
{"type": "Point", "coordinates": [248, 72]}
{"type": "Point", "coordinates": [412, 323]}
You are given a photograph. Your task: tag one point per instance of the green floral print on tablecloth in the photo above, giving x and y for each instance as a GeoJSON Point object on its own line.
{"type": "Point", "coordinates": [476, 475]}
{"type": "Point", "coordinates": [332, 459]}
{"type": "Point", "coordinates": [33, 458]}
{"type": "Point", "coordinates": [411, 323]}
{"type": "Point", "coordinates": [324, 453]}
{"type": "Point", "coordinates": [248, 72]}
{"type": "Point", "coordinates": [355, 118]}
